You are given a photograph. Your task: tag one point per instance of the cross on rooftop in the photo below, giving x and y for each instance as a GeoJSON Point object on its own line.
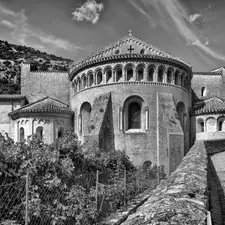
{"type": "Point", "coordinates": [130, 49]}
{"type": "Point", "coordinates": [130, 32]}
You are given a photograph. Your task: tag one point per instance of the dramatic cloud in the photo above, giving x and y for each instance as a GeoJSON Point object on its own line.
{"type": "Point", "coordinates": [89, 11]}
{"type": "Point", "coordinates": [172, 12]}
{"type": "Point", "coordinates": [22, 31]}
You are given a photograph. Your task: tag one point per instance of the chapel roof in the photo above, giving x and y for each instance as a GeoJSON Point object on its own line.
{"type": "Point", "coordinates": [126, 47]}
{"type": "Point", "coordinates": [45, 105]}
{"type": "Point", "coordinates": [211, 105]}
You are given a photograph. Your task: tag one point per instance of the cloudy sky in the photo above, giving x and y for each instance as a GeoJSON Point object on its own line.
{"type": "Point", "coordinates": [193, 30]}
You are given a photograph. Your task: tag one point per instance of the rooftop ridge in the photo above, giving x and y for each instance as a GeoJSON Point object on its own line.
{"type": "Point", "coordinates": [110, 49]}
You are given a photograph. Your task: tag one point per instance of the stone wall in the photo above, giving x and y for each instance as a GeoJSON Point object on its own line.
{"type": "Point", "coordinates": [140, 145]}
{"type": "Point", "coordinates": [37, 85]}
{"type": "Point", "coordinates": [214, 85]}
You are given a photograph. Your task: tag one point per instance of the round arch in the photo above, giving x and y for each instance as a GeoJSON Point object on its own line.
{"type": "Point", "coordinates": [200, 125]}
{"type": "Point", "coordinates": [221, 123]}
{"type": "Point", "coordinates": [85, 114]}
{"type": "Point", "coordinates": [132, 113]}
{"type": "Point", "coordinates": [39, 131]}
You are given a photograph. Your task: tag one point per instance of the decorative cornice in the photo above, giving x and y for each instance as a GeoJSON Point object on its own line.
{"type": "Point", "coordinates": [138, 57]}
{"type": "Point", "coordinates": [208, 73]}
{"type": "Point", "coordinates": [132, 82]}
{"type": "Point", "coordinates": [52, 71]}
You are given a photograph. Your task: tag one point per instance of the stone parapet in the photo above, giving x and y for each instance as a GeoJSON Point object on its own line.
{"type": "Point", "coordinates": [182, 198]}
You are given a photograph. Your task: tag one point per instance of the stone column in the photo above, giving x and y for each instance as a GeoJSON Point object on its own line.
{"type": "Point", "coordinates": [173, 77]}
{"type": "Point", "coordinates": [165, 75]}
{"type": "Point", "coordinates": [155, 76]}
{"type": "Point", "coordinates": [205, 126]}
{"type": "Point", "coordinates": [145, 73]}
{"type": "Point", "coordinates": [123, 74]}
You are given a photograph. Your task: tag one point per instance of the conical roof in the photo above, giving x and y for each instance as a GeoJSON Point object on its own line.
{"type": "Point", "coordinates": [127, 47]}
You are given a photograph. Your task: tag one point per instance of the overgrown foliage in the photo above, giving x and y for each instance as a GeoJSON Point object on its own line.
{"type": "Point", "coordinates": [12, 55]}
{"type": "Point", "coordinates": [63, 180]}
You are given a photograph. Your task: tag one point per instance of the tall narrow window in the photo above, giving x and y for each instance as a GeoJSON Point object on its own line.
{"type": "Point", "coordinates": [203, 91]}
{"type": "Point", "coordinates": [39, 131]}
{"type": "Point", "coordinates": [91, 79]}
{"type": "Point", "coordinates": [99, 77]}
{"type": "Point", "coordinates": [150, 74]}
{"type": "Point", "coordinates": [60, 132]}
{"type": "Point", "coordinates": [84, 82]}
{"type": "Point", "coordinates": [129, 73]}
{"type": "Point", "coordinates": [21, 134]}
{"type": "Point", "coordinates": [169, 76]}
{"type": "Point", "coordinates": [85, 113]}
{"type": "Point", "coordinates": [177, 77]}
{"type": "Point", "coordinates": [119, 74]}
{"type": "Point", "coordinates": [140, 74]}
{"type": "Point", "coordinates": [108, 75]}
{"type": "Point", "coordinates": [160, 74]}
{"type": "Point", "coordinates": [79, 84]}
{"type": "Point", "coordinates": [220, 123]}
{"type": "Point", "coordinates": [134, 116]}
{"type": "Point", "coordinates": [200, 126]}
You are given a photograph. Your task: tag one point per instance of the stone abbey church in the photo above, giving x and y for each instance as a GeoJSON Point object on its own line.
{"type": "Point", "coordinates": [128, 95]}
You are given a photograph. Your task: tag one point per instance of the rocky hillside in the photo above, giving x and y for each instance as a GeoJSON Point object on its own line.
{"type": "Point", "coordinates": [12, 55]}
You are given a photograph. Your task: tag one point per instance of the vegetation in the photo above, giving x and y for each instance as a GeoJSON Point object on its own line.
{"type": "Point", "coordinates": [66, 185]}
{"type": "Point", "coordinates": [12, 55]}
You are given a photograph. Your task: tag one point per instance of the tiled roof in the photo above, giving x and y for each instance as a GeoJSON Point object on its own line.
{"type": "Point", "coordinates": [45, 105]}
{"type": "Point", "coordinates": [212, 105]}
{"type": "Point", "coordinates": [128, 45]}
{"type": "Point", "coordinates": [12, 96]}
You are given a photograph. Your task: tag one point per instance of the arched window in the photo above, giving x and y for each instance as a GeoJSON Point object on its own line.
{"type": "Point", "coordinates": [182, 79]}
{"type": "Point", "coordinates": [169, 76]}
{"type": "Point", "coordinates": [134, 116]}
{"type": "Point", "coordinates": [22, 134]}
{"type": "Point", "coordinates": [39, 131]}
{"type": "Point", "coordinates": [108, 75]}
{"type": "Point", "coordinates": [140, 74]}
{"type": "Point", "coordinates": [160, 74]}
{"type": "Point", "coordinates": [84, 81]}
{"type": "Point", "coordinates": [220, 123]}
{"type": "Point", "coordinates": [79, 84]}
{"type": "Point", "coordinates": [130, 73]}
{"type": "Point", "coordinates": [60, 132]}
{"type": "Point", "coordinates": [91, 79]}
{"type": "Point", "coordinates": [119, 74]}
{"type": "Point", "coordinates": [99, 77]}
{"type": "Point", "coordinates": [151, 71]}
{"type": "Point", "coordinates": [177, 77]}
{"type": "Point", "coordinates": [85, 112]}
{"type": "Point", "coordinates": [203, 91]}
{"type": "Point", "coordinates": [200, 125]}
